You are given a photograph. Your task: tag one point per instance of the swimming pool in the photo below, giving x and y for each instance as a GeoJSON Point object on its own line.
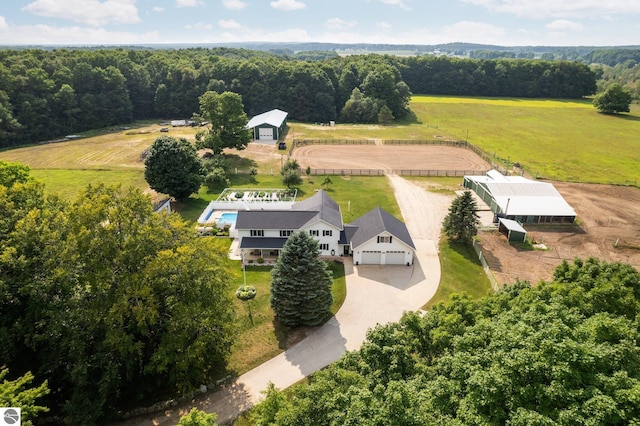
{"type": "Point", "coordinates": [227, 219]}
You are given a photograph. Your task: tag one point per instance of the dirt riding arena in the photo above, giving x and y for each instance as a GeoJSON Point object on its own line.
{"type": "Point", "coordinates": [609, 228]}
{"type": "Point", "coordinates": [388, 157]}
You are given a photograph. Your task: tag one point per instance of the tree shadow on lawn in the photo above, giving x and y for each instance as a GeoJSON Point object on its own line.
{"type": "Point", "coordinates": [191, 208]}
{"type": "Point", "coordinates": [619, 116]}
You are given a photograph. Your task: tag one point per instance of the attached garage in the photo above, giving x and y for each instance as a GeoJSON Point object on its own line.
{"type": "Point", "coordinates": [377, 238]}
{"type": "Point", "coordinates": [394, 258]}
{"type": "Point", "coordinates": [370, 257]}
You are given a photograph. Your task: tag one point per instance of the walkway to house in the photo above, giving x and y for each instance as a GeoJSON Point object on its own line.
{"type": "Point", "coordinates": [375, 295]}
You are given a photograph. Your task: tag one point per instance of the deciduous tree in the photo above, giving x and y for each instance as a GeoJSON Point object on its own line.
{"type": "Point", "coordinates": [173, 167]}
{"type": "Point", "coordinates": [615, 99]}
{"type": "Point", "coordinates": [228, 121]}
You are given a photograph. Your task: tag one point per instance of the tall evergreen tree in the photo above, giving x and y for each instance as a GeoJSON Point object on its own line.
{"type": "Point", "coordinates": [460, 224]}
{"type": "Point", "coordinates": [301, 283]}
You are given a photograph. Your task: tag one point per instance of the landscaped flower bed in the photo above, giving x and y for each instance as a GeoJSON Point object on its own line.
{"type": "Point", "coordinates": [234, 194]}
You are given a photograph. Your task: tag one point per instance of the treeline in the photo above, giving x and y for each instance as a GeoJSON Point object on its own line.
{"type": "Point", "coordinates": [564, 352]}
{"type": "Point", "coordinates": [45, 94]}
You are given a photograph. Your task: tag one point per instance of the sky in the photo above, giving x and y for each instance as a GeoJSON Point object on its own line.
{"type": "Point", "coordinates": [497, 22]}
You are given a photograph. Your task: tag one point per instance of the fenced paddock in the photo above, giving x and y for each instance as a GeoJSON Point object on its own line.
{"type": "Point", "coordinates": [408, 158]}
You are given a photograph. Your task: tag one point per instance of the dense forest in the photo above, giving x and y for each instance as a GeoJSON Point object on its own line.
{"type": "Point", "coordinates": [564, 352]}
{"type": "Point", "coordinates": [46, 94]}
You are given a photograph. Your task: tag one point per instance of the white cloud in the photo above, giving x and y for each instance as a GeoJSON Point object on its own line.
{"type": "Point", "coordinates": [290, 35]}
{"type": "Point", "coordinates": [189, 3]}
{"type": "Point", "coordinates": [288, 5]}
{"type": "Point", "coordinates": [384, 26]}
{"type": "Point", "coordinates": [562, 25]}
{"type": "Point", "coordinates": [158, 9]}
{"type": "Point", "coordinates": [199, 26]}
{"type": "Point", "coordinates": [339, 24]}
{"type": "Point", "coordinates": [479, 32]}
{"type": "Point", "coordinates": [560, 9]}
{"type": "Point", "coordinates": [230, 24]}
{"type": "Point", "coordinates": [3, 24]}
{"type": "Point", "coordinates": [49, 35]}
{"type": "Point", "coordinates": [234, 4]}
{"type": "Point", "coordinates": [89, 12]}
{"type": "Point", "coordinates": [399, 3]}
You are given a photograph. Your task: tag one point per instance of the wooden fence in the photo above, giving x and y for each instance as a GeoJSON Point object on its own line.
{"type": "Point", "coordinates": [303, 142]}
{"type": "Point", "coordinates": [348, 172]}
{"type": "Point", "coordinates": [440, 173]}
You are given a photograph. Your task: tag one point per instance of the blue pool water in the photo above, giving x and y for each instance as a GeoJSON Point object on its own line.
{"type": "Point", "coordinates": [228, 218]}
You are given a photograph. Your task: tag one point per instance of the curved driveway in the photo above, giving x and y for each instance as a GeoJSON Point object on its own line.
{"type": "Point", "coordinates": [375, 295]}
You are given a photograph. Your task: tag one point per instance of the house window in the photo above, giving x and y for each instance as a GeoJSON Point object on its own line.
{"type": "Point", "coordinates": [327, 232]}
{"type": "Point", "coordinates": [384, 239]}
{"type": "Point", "coordinates": [314, 232]}
{"type": "Point", "coordinates": [286, 233]}
{"type": "Point", "coordinates": [324, 247]}
{"type": "Point", "coordinates": [257, 233]}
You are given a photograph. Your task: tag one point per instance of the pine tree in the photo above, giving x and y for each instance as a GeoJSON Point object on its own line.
{"type": "Point", "coordinates": [460, 224]}
{"type": "Point", "coordinates": [301, 283]}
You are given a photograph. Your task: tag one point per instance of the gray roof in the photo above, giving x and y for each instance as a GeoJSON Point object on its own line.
{"type": "Point", "coordinates": [319, 207]}
{"type": "Point", "coordinates": [262, 243]}
{"type": "Point", "coordinates": [327, 209]}
{"type": "Point", "coordinates": [376, 222]}
{"type": "Point", "coordinates": [275, 117]}
{"type": "Point", "coordinates": [273, 219]}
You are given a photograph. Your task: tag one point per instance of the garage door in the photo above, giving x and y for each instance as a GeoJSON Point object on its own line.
{"type": "Point", "coordinates": [371, 257]}
{"type": "Point", "coordinates": [394, 258]}
{"type": "Point", "coordinates": [265, 133]}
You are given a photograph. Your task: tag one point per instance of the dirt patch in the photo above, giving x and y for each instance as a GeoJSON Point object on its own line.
{"type": "Point", "coordinates": [388, 157]}
{"type": "Point", "coordinates": [607, 215]}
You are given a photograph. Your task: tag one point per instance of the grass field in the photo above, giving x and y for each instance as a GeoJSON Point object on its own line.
{"type": "Point", "coordinates": [556, 139]}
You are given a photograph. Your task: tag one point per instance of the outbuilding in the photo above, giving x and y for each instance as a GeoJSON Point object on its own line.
{"type": "Point", "coordinates": [520, 199]}
{"type": "Point", "coordinates": [513, 230]}
{"type": "Point", "coordinates": [268, 126]}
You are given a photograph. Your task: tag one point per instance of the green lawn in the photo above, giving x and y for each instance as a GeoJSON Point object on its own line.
{"type": "Point", "coordinates": [259, 338]}
{"type": "Point", "coordinates": [461, 272]}
{"type": "Point", "coordinates": [356, 195]}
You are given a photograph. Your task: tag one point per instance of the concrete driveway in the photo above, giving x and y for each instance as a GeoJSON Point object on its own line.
{"type": "Point", "coordinates": [375, 295]}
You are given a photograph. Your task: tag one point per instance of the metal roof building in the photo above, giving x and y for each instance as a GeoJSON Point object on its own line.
{"type": "Point", "coordinates": [268, 125]}
{"type": "Point", "coordinates": [518, 198]}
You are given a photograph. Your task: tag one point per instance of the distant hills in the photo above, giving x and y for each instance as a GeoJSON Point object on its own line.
{"type": "Point", "coordinates": [608, 55]}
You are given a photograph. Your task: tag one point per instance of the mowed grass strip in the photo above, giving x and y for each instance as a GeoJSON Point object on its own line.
{"type": "Point", "coordinates": [461, 273]}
